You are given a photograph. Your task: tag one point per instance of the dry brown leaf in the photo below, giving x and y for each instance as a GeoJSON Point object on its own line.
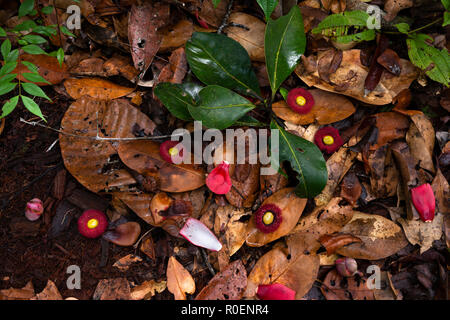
{"type": "Point", "coordinates": [420, 138]}
{"type": "Point", "coordinates": [328, 108]}
{"type": "Point", "coordinates": [291, 209]}
{"type": "Point", "coordinates": [177, 35]}
{"type": "Point", "coordinates": [148, 247]}
{"type": "Point", "coordinates": [441, 192]}
{"type": "Point", "coordinates": [88, 160]}
{"type": "Point", "coordinates": [229, 284]}
{"type": "Point", "coordinates": [209, 13]}
{"type": "Point", "coordinates": [147, 289]}
{"type": "Point", "coordinates": [48, 68]}
{"type": "Point", "coordinates": [332, 242]}
{"type": "Point", "coordinates": [176, 69]}
{"type": "Point", "coordinates": [423, 233]}
{"type": "Point", "coordinates": [245, 180]}
{"type": "Point", "coordinates": [393, 7]}
{"type": "Point", "coordinates": [179, 280]}
{"type": "Point", "coordinates": [351, 188]}
{"type": "Point", "coordinates": [229, 229]}
{"type": "Point", "coordinates": [350, 76]}
{"type": "Point", "coordinates": [91, 66]}
{"type": "Point", "coordinates": [143, 157]}
{"type": "Point", "coordinates": [120, 65]}
{"type": "Point", "coordinates": [336, 287]}
{"type": "Point", "coordinates": [306, 133]}
{"type": "Point", "coordinates": [391, 126]}
{"type": "Point", "coordinates": [380, 237]}
{"type": "Point", "coordinates": [253, 38]}
{"type": "Point", "coordinates": [289, 266]}
{"type": "Point", "coordinates": [2, 125]}
{"type": "Point", "coordinates": [337, 165]}
{"type": "Point", "coordinates": [387, 290]}
{"type": "Point", "coordinates": [125, 262]}
{"type": "Point", "coordinates": [50, 292]}
{"type": "Point", "coordinates": [112, 289]}
{"type": "Point", "coordinates": [24, 293]}
{"type": "Point", "coordinates": [96, 88]}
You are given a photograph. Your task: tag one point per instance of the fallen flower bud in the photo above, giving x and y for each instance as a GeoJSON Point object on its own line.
{"type": "Point", "coordinates": [424, 201]}
{"type": "Point", "coordinates": [347, 267]}
{"type": "Point", "coordinates": [300, 100]}
{"type": "Point", "coordinates": [92, 223]}
{"type": "Point", "coordinates": [219, 181]}
{"type": "Point", "coordinates": [34, 209]}
{"type": "Point", "coordinates": [275, 291]}
{"type": "Point", "coordinates": [328, 139]}
{"type": "Point", "coordinates": [199, 235]}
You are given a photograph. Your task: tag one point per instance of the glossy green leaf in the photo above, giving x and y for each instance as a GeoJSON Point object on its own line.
{"type": "Point", "coordinates": [34, 39]}
{"type": "Point", "coordinates": [284, 44]}
{"type": "Point", "coordinates": [60, 56]}
{"type": "Point", "coordinates": [31, 66]}
{"type": "Point", "coordinates": [267, 6]}
{"type": "Point", "coordinates": [219, 107]}
{"type": "Point", "coordinates": [305, 158]}
{"type": "Point", "coordinates": [32, 107]}
{"type": "Point", "coordinates": [6, 87]}
{"type": "Point", "coordinates": [45, 30]}
{"type": "Point", "coordinates": [8, 67]}
{"type": "Point", "coordinates": [2, 32]}
{"type": "Point", "coordinates": [175, 99]}
{"type": "Point", "coordinates": [66, 31]}
{"type": "Point", "coordinates": [13, 56]}
{"type": "Point", "coordinates": [402, 27]}
{"type": "Point", "coordinates": [33, 49]}
{"type": "Point", "coordinates": [7, 78]}
{"type": "Point", "coordinates": [9, 106]}
{"type": "Point", "coordinates": [34, 77]}
{"type": "Point", "coordinates": [26, 25]}
{"type": "Point", "coordinates": [47, 9]}
{"type": "Point", "coordinates": [5, 48]}
{"type": "Point", "coordinates": [34, 90]}
{"type": "Point", "coordinates": [26, 8]}
{"type": "Point", "coordinates": [216, 59]}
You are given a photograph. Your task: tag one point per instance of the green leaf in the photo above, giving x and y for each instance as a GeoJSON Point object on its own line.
{"type": "Point", "coordinates": [402, 27]}
{"type": "Point", "coordinates": [34, 77]}
{"type": "Point", "coordinates": [26, 25]}
{"type": "Point", "coordinates": [8, 78]}
{"type": "Point", "coordinates": [216, 3]}
{"type": "Point", "coordinates": [219, 107]}
{"type": "Point", "coordinates": [249, 121]}
{"type": "Point", "coordinates": [175, 99]}
{"type": "Point", "coordinates": [60, 56]}
{"type": "Point", "coordinates": [45, 30]}
{"type": "Point", "coordinates": [32, 107]}
{"type": "Point", "coordinates": [2, 32]}
{"type": "Point", "coordinates": [446, 4]}
{"type": "Point", "coordinates": [446, 19]}
{"type": "Point", "coordinates": [26, 8]}
{"type": "Point", "coordinates": [192, 88]}
{"type": "Point", "coordinates": [34, 90]}
{"type": "Point", "coordinates": [47, 9]}
{"type": "Point", "coordinates": [66, 31]}
{"type": "Point", "coordinates": [8, 67]}
{"type": "Point", "coordinates": [6, 87]}
{"type": "Point", "coordinates": [216, 59]}
{"type": "Point", "coordinates": [9, 106]}
{"type": "Point", "coordinates": [13, 56]}
{"type": "Point", "coordinates": [284, 43]}
{"type": "Point", "coordinates": [305, 158]}
{"type": "Point", "coordinates": [267, 6]}
{"type": "Point", "coordinates": [5, 48]}
{"type": "Point", "coordinates": [435, 62]}
{"type": "Point", "coordinates": [34, 39]}
{"type": "Point", "coordinates": [284, 93]}
{"type": "Point", "coordinates": [33, 49]}
{"type": "Point", "coordinates": [31, 66]}
{"type": "Point", "coordinates": [366, 35]}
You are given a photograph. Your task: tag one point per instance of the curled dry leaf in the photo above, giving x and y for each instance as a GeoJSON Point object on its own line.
{"type": "Point", "coordinates": [336, 287]}
{"type": "Point", "coordinates": [211, 14]}
{"type": "Point", "coordinates": [335, 241]}
{"type": "Point", "coordinates": [420, 138]}
{"type": "Point", "coordinates": [387, 290]}
{"type": "Point", "coordinates": [423, 233]}
{"type": "Point", "coordinates": [269, 184]}
{"type": "Point", "coordinates": [179, 280]}
{"type": "Point", "coordinates": [245, 181]}
{"type": "Point", "coordinates": [441, 192]}
{"type": "Point", "coordinates": [229, 229]}
{"type": "Point", "coordinates": [328, 108]}
{"type": "Point", "coordinates": [176, 36]}
{"type": "Point", "coordinates": [380, 237]}
{"type": "Point", "coordinates": [50, 292]}
{"type": "Point", "coordinates": [291, 209]}
{"type": "Point", "coordinates": [143, 156]}
{"type": "Point", "coordinates": [89, 160]}
{"type": "Point", "coordinates": [391, 126]}
{"type": "Point", "coordinates": [24, 293]}
{"type": "Point", "coordinates": [112, 289]}
{"type": "Point", "coordinates": [393, 7]}
{"type": "Point", "coordinates": [120, 65]}
{"type": "Point", "coordinates": [48, 67]}
{"type": "Point", "coordinates": [125, 262]}
{"type": "Point", "coordinates": [147, 289]}
{"type": "Point", "coordinates": [351, 188]}
{"type": "Point", "coordinates": [328, 63]}
{"type": "Point", "coordinates": [252, 38]}
{"type": "Point", "coordinates": [96, 88]}
{"type": "Point", "coordinates": [349, 79]}
{"type": "Point", "coordinates": [229, 284]}
{"type": "Point", "coordinates": [337, 165]}
{"type": "Point", "coordinates": [306, 133]}
{"type": "Point", "coordinates": [91, 66]}
{"type": "Point", "coordinates": [176, 69]}
{"type": "Point", "coordinates": [390, 60]}
{"type": "Point", "coordinates": [289, 266]}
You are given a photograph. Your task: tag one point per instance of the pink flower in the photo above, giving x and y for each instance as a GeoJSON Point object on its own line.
{"type": "Point", "coordinates": [219, 181]}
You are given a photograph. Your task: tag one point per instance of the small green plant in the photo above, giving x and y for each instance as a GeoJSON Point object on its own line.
{"type": "Point", "coordinates": [30, 37]}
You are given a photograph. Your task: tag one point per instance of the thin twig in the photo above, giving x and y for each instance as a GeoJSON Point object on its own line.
{"type": "Point", "coordinates": [226, 17]}
{"type": "Point", "coordinates": [206, 260]}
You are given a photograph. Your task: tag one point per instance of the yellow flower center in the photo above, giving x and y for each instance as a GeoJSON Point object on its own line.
{"type": "Point", "coordinates": [328, 140]}
{"type": "Point", "coordinates": [93, 223]}
{"type": "Point", "coordinates": [300, 100]}
{"type": "Point", "coordinates": [268, 218]}
{"type": "Point", "coordinates": [173, 151]}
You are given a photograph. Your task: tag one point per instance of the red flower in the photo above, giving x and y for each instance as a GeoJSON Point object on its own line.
{"type": "Point", "coordinates": [424, 201]}
{"type": "Point", "coordinates": [201, 21]}
{"type": "Point", "coordinates": [328, 139]}
{"type": "Point", "coordinates": [92, 223]}
{"type": "Point", "coordinates": [300, 100]}
{"type": "Point", "coordinates": [171, 151]}
{"type": "Point", "coordinates": [268, 218]}
{"type": "Point", "coordinates": [219, 181]}
{"type": "Point", "coordinates": [275, 291]}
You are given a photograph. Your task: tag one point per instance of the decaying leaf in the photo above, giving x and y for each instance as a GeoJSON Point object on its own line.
{"type": "Point", "coordinates": [441, 192]}
{"type": "Point", "coordinates": [245, 180]}
{"type": "Point", "coordinates": [392, 7]}
{"type": "Point", "coordinates": [387, 290]}
{"type": "Point", "coordinates": [124, 263]}
{"type": "Point", "coordinates": [420, 138]}
{"type": "Point", "coordinates": [350, 76]}
{"type": "Point", "coordinates": [336, 287]}
{"type": "Point", "coordinates": [50, 292]}
{"type": "Point", "coordinates": [351, 188]}
{"type": "Point", "coordinates": [229, 284]}
{"type": "Point", "coordinates": [24, 293]}
{"type": "Point", "coordinates": [328, 108]}
{"type": "Point", "coordinates": [177, 35]}
{"type": "Point", "coordinates": [48, 67]}
{"type": "Point", "coordinates": [288, 265]}
{"type": "Point", "coordinates": [179, 280]}
{"type": "Point", "coordinates": [252, 38]}
{"type": "Point", "coordinates": [423, 233]}
{"type": "Point", "coordinates": [291, 209]}
{"type": "Point", "coordinates": [147, 289]}
{"type": "Point", "coordinates": [176, 69]}
{"type": "Point", "coordinates": [96, 88]}
{"type": "Point", "coordinates": [332, 242]}
{"type": "Point", "coordinates": [380, 237]}
{"type": "Point", "coordinates": [112, 289]}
